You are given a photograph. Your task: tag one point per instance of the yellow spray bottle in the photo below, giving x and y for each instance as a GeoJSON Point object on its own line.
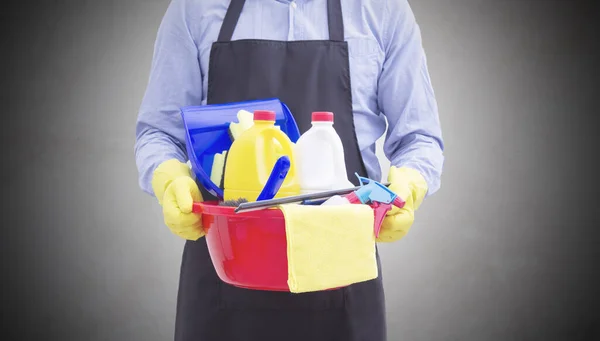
{"type": "Point", "coordinates": [252, 157]}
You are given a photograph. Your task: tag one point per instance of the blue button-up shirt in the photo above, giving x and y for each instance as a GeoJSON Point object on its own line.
{"type": "Point", "coordinates": [388, 70]}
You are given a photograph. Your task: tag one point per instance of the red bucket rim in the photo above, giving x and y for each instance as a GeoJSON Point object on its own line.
{"type": "Point", "coordinates": [213, 208]}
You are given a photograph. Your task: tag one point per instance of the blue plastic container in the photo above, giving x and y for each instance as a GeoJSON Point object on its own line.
{"type": "Point", "coordinates": [207, 133]}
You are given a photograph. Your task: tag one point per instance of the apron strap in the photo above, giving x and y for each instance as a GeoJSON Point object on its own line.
{"type": "Point", "coordinates": [231, 19]}
{"type": "Point", "coordinates": [334, 16]}
{"type": "Point", "coordinates": [336, 21]}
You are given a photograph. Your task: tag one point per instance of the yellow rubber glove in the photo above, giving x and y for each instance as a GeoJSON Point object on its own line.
{"type": "Point", "coordinates": [176, 191]}
{"type": "Point", "coordinates": [411, 187]}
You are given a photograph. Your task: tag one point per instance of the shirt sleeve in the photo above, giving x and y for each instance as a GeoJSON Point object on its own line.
{"type": "Point", "coordinates": [406, 98]}
{"type": "Point", "coordinates": [175, 81]}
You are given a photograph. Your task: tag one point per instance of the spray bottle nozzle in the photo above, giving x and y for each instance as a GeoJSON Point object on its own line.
{"type": "Point", "coordinates": [373, 191]}
{"type": "Point", "coordinates": [379, 197]}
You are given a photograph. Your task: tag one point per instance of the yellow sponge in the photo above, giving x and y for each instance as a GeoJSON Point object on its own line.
{"type": "Point", "coordinates": [245, 121]}
{"type": "Point", "coordinates": [216, 173]}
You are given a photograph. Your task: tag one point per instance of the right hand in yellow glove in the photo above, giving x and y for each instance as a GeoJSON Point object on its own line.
{"type": "Point", "coordinates": [176, 192]}
{"type": "Point", "coordinates": [411, 187]}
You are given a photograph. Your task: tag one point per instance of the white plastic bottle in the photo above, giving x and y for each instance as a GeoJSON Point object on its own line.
{"type": "Point", "coordinates": [320, 157]}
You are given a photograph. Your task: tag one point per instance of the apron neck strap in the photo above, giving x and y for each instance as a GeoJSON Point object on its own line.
{"type": "Point", "coordinates": [334, 16]}
{"type": "Point", "coordinates": [336, 21]}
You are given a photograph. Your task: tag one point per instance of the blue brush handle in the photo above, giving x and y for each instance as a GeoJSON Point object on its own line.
{"type": "Point", "coordinates": [278, 174]}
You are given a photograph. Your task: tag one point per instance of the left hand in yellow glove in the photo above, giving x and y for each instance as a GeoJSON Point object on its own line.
{"type": "Point", "coordinates": [411, 187]}
{"type": "Point", "coordinates": [176, 192]}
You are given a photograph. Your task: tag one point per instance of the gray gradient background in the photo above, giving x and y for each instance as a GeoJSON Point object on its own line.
{"type": "Point", "coordinates": [505, 250]}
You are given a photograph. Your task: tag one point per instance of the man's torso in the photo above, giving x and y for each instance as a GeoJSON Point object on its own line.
{"type": "Point", "coordinates": [307, 20]}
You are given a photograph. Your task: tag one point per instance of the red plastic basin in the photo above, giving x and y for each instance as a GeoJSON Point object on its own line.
{"type": "Point", "coordinates": [248, 250]}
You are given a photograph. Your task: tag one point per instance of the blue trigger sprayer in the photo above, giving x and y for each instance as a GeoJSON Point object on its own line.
{"type": "Point", "coordinates": [376, 195]}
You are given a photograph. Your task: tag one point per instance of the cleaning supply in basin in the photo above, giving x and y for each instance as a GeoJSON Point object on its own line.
{"type": "Point", "coordinates": [218, 166]}
{"type": "Point", "coordinates": [252, 157]}
{"type": "Point", "coordinates": [208, 131]}
{"type": "Point", "coordinates": [336, 200]}
{"type": "Point", "coordinates": [245, 121]}
{"type": "Point", "coordinates": [320, 157]}
{"type": "Point", "coordinates": [378, 196]}
{"type": "Point", "coordinates": [278, 174]}
{"type": "Point", "coordinates": [329, 247]}
{"type": "Point", "coordinates": [233, 203]}
{"type": "Point", "coordinates": [371, 193]}
{"type": "Point", "coordinates": [314, 199]}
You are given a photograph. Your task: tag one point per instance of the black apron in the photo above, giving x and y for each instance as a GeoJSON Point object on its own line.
{"type": "Point", "coordinates": [307, 76]}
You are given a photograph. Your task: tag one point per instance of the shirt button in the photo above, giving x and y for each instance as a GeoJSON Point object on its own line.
{"type": "Point", "coordinates": [293, 4]}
